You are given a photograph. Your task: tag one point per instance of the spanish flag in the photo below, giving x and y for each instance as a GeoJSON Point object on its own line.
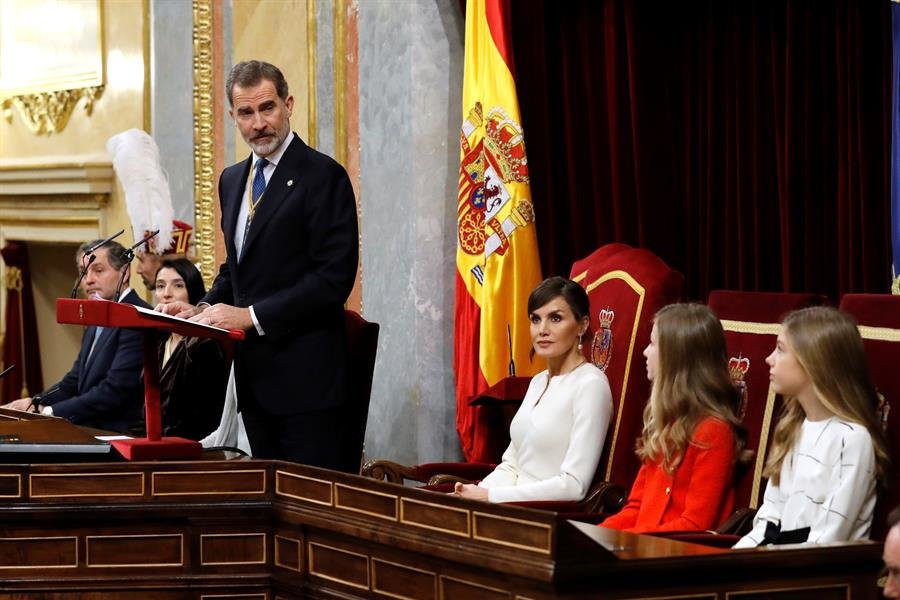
{"type": "Point", "coordinates": [496, 258]}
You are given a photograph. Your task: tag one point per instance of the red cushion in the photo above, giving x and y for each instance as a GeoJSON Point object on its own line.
{"type": "Point", "coordinates": [627, 286]}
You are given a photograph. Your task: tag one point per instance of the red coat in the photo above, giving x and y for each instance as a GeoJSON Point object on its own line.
{"type": "Point", "coordinates": [699, 496]}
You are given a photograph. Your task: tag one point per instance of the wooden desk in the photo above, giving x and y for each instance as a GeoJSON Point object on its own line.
{"type": "Point", "coordinates": [267, 530]}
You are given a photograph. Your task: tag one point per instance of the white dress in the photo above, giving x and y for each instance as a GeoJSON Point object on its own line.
{"type": "Point", "coordinates": [827, 484]}
{"type": "Point", "coordinates": [555, 445]}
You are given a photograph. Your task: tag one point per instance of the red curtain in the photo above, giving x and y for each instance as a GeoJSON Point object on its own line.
{"type": "Point", "coordinates": [20, 344]}
{"type": "Point", "coordinates": [746, 143]}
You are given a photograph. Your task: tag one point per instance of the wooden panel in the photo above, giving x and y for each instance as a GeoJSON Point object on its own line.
{"type": "Point", "coordinates": [288, 553]}
{"type": "Point", "coordinates": [260, 596]}
{"type": "Point", "coordinates": [457, 588]}
{"type": "Point", "coordinates": [299, 487]}
{"type": "Point", "coordinates": [163, 550]}
{"type": "Point", "coordinates": [516, 533]}
{"type": "Point", "coordinates": [10, 486]}
{"type": "Point", "coordinates": [400, 581]}
{"type": "Point", "coordinates": [834, 592]}
{"type": "Point", "coordinates": [367, 502]}
{"type": "Point", "coordinates": [233, 548]}
{"type": "Point", "coordinates": [84, 485]}
{"type": "Point", "coordinates": [334, 564]}
{"type": "Point", "coordinates": [209, 483]}
{"type": "Point", "coordinates": [38, 552]}
{"type": "Point", "coordinates": [432, 515]}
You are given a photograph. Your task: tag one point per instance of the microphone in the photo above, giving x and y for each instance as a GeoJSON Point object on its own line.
{"type": "Point", "coordinates": [129, 256]}
{"type": "Point", "coordinates": [512, 363]}
{"type": "Point", "coordinates": [91, 258]}
{"type": "Point", "coordinates": [39, 398]}
{"type": "Point", "coordinates": [7, 370]}
{"type": "Point", "coordinates": [107, 240]}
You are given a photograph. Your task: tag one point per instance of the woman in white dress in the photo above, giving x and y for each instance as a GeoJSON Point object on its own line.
{"type": "Point", "coordinates": [829, 451]}
{"type": "Point", "coordinates": [557, 434]}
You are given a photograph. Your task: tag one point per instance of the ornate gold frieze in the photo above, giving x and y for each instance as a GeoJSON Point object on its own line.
{"type": "Point", "coordinates": [49, 112]}
{"type": "Point", "coordinates": [204, 140]}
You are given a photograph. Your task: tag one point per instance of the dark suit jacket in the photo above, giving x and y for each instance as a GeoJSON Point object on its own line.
{"type": "Point", "coordinates": [192, 388]}
{"type": "Point", "coordinates": [105, 391]}
{"type": "Point", "coordinates": [297, 269]}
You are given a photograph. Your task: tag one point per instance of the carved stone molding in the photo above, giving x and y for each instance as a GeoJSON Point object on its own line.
{"type": "Point", "coordinates": [49, 112]}
{"type": "Point", "coordinates": [204, 140]}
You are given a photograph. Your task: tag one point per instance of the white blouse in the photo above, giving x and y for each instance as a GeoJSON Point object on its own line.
{"type": "Point", "coordinates": [556, 443]}
{"type": "Point", "coordinates": [827, 484]}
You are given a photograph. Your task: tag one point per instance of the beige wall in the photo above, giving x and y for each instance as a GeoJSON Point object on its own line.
{"type": "Point", "coordinates": [122, 105]}
{"type": "Point", "coordinates": [275, 32]}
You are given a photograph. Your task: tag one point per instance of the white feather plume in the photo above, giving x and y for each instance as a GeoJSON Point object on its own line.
{"type": "Point", "coordinates": [148, 200]}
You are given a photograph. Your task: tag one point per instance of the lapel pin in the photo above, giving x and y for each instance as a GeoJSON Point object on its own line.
{"type": "Point", "coordinates": [290, 182]}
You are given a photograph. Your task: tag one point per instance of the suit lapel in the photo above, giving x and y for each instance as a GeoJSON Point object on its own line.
{"type": "Point", "coordinates": [284, 180]}
{"type": "Point", "coordinates": [231, 204]}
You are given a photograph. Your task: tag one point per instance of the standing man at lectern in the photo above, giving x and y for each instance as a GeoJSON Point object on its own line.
{"type": "Point", "coordinates": [104, 388]}
{"type": "Point", "coordinates": [289, 222]}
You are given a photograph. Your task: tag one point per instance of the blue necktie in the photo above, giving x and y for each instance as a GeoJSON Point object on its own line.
{"type": "Point", "coordinates": [256, 192]}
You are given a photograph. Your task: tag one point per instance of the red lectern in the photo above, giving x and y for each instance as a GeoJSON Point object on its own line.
{"type": "Point", "coordinates": [117, 314]}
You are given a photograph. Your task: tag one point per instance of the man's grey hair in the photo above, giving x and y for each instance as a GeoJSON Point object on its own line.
{"type": "Point", "coordinates": [115, 252]}
{"type": "Point", "coordinates": [250, 73]}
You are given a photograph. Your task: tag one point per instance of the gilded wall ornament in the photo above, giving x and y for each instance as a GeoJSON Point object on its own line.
{"type": "Point", "coordinates": [49, 112]}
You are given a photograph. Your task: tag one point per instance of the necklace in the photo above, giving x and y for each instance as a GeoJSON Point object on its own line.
{"type": "Point", "coordinates": [549, 377]}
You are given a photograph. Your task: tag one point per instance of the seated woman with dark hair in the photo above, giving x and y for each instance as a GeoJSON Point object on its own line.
{"type": "Point", "coordinates": [557, 434]}
{"type": "Point", "coordinates": [193, 371]}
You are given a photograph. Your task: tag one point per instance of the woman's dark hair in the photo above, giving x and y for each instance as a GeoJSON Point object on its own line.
{"type": "Point", "coordinates": [554, 287]}
{"type": "Point", "coordinates": [190, 274]}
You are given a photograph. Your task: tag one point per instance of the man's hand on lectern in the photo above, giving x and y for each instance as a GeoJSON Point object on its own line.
{"type": "Point", "coordinates": [182, 310]}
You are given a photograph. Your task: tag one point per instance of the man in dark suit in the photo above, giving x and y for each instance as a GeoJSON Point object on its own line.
{"type": "Point", "coordinates": [289, 222]}
{"type": "Point", "coordinates": [103, 389]}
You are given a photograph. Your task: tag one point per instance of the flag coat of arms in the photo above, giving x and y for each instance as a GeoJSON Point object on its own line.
{"type": "Point", "coordinates": [496, 259]}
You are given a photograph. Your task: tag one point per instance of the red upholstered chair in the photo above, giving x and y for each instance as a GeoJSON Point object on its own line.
{"type": "Point", "coordinates": [625, 288]}
{"type": "Point", "coordinates": [751, 321]}
{"type": "Point", "coordinates": [878, 316]}
{"type": "Point", "coordinates": [362, 343]}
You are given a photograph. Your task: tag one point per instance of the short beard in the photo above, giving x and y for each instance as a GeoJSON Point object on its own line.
{"type": "Point", "coordinates": [266, 148]}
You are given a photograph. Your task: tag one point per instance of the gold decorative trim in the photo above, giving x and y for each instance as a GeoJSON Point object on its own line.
{"type": "Point", "coordinates": [340, 81]}
{"type": "Point", "coordinates": [192, 474]}
{"type": "Point", "coordinates": [87, 550]}
{"type": "Point", "coordinates": [443, 578]}
{"type": "Point", "coordinates": [299, 566]}
{"type": "Point", "coordinates": [311, 60]}
{"type": "Point", "coordinates": [145, 49]}
{"type": "Point", "coordinates": [337, 502]}
{"type": "Point", "coordinates": [204, 141]}
{"type": "Point", "coordinates": [401, 566]}
{"type": "Point", "coordinates": [262, 595]}
{"type": "Point", "coordinates": [262, 561]}
{"type": "Point", "coordinates": [33, 477]}
{"type": "Point", "coordinates": [279, 492]}
{"type": "Point", "coordinates": [18, 481]}
{"type": "Point", "coordinates": [789, 589]}
{"type": "Point", "coordinates": [404, 521]}
{"type": "Point", "coordinates": [50, 220]}
{"type": "Point", "coordinates": [751, 327]}
{"type": "Point", "coordinates": [763, 447]}
{"type": "Point", "coordinates": [74, 540]}
{"type": "Point", "coordinates": [534, 524]}
{"type": "Point", "coordinates": [310, 551]}
{"type": "Point", "coordinates": [639, 290]}
{"type": "Point", "coordinates": [578, 278]}
{"type": "Point", "coordinates": [49, 112]}
{"type": "Point", "coordinates": [882, 334]}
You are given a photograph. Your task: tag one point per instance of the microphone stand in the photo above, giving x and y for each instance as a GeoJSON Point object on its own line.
{"type": "Point", "coordinates": [129, 256]}
{"type": "Point", "coordinates": [91, 258]}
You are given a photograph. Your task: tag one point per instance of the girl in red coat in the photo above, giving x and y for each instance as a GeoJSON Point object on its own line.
{"type": "Point", "coordinates": [691, 433]}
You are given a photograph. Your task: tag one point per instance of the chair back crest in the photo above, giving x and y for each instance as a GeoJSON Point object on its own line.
{"type": "Point", "coordinates": [625, 287]}
{"type": "Point", "coordinates": [752, 321]}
